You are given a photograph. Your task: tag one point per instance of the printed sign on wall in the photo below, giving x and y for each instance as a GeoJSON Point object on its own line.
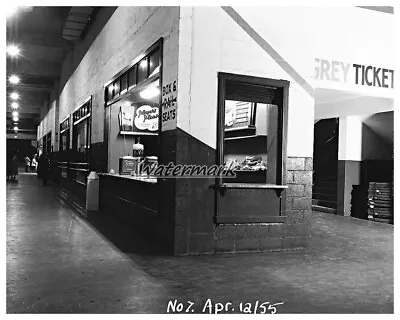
{"type": "Point", "coordinates": [169, 106]}
{"type": "Point", "coordinates": [134, 117]}
{"type": "Point", "coordinates": [357, 74]}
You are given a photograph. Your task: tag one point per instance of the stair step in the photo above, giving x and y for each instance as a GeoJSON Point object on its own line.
{"type": "Point", "coordinates": [330, 191]}
{"type": "Point", "coordinates": [323, 209]}
{"type": "Point", "coordinates": [324, 196]}
{"type": "Point", "coordinates": [325, 183]}
{"type": "Point", "coordinates": [325, 203]}
{"type": "Point", "coordinates": [325, 186]}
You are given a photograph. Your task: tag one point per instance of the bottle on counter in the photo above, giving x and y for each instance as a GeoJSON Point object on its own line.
{"type": "Point", "coordinates": [138, 149]}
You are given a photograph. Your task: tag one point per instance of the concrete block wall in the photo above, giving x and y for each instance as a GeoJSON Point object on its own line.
{"type": "Point", "coordinates": [292, 234]}
{"type": "Point", "coordinates": [297, 228]}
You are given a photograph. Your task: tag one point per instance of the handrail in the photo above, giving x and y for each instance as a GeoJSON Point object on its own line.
{"type": "Point", "coordinates": [325, 142]}
{"type": "Point", "coordinates": [79, 169]}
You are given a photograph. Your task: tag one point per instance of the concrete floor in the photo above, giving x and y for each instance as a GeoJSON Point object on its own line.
{"type": "Point", "coordinates": [58, 262]}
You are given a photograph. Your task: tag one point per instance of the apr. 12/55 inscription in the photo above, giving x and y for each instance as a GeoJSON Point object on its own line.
{"type": "Point", "coordinates": [213, 307]}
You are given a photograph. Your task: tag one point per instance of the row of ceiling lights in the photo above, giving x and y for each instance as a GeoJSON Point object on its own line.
{"type": "Point", "coordinates": [13, 51]}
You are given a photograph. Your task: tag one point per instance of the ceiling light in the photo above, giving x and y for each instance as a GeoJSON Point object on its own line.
{"type": "Point", "coordinates": [15, 119]}
{"type": "Point", "coordinates": [15, 137]}
{"type": "Point", "coordinates": [151, 91]}
{"type": "Point", "coordinates": [10, 10]}
{"type": "Point", "coordinates": [14, 96]}
{"type": "Point", "coordinates": [143, 64]}
{"type": "Point", "coordinates": [13, 50]}
{"type": "Point", "coordinates": [14, 105]}
{"type": "Point", "coordinates": [15, 114]}
{"type": "Point", "coordinates": [14, 79]}
{"type": "Point", "coordinates": [16, 128]}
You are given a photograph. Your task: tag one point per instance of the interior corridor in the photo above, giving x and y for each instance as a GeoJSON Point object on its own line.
{"type": "Point", "coordinates": [59, 262]}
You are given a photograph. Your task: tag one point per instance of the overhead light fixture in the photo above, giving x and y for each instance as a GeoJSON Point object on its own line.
{"type": "Point", "coordinates": [13, 50]}
{"type": "Point", "coordinates": [150, 92]}
{"type": "Point", "coordinates": [143, 64]}
{"type": "Point", "coordinates": [16, 128]}
{"type": "Point", "coordinates": [14, 79]}
{"type": "Point", "coordinates": [14, 95]}
{"type": "Point", "coordinates": [14, 105]}
{"type": "Point", "coordinates": [15, 119]}
{"type": "Point", "coordinates": [11, 10]}
{"type": "Point", "coordinates": [15, 137]}
{"type": "Point", "coordinates": [15, 114]}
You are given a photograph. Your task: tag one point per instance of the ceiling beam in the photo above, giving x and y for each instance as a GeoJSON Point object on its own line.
{"type": "Point", "coordinates": [33, 87]}
{"type": "Point", "coordinates": [48, 39]}
{"type": "Point", "coordinates": [35, 68]}
{"type": "Point", "coordinates": [25, 110]}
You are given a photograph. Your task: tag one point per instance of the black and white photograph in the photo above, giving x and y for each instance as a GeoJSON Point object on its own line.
{"type": "Point", "coordinates": [199, 159]}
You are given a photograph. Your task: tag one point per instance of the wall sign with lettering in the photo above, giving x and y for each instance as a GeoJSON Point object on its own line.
{"type": "Point", "coordinates": [363, 75]}
{"type": "Point", "coordinates": [140, 119]}
{"type": "Point", "coordinates": [169, 106]}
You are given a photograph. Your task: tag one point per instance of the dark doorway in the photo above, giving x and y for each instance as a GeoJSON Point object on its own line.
{"type": "Point", "coordinates": [325, 161]}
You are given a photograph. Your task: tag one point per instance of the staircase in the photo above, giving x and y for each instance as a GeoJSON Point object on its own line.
{"type": "Point", "coordinates": [324, 195]}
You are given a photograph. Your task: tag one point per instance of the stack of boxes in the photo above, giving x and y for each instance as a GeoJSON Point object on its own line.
{"type": "Point", "coordinates": [380, 202]}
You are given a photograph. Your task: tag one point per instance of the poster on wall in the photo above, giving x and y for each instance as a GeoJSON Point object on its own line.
{"type": "Point", "coordinates": [169, 106]}
{"type": "Point", "coordinates": [237, 114]}
{"type": "Point", "coordinates": [135, 118]}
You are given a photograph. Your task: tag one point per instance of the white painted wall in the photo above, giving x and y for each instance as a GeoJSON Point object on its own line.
{"type": "Point", "coordinates": [352, 107]}
{"type": "Point", "coordinates": [48, 123]}
{"type": "Point", "coordinates": [129, 32]}
{"type": "Point", "coordinates": [211, 42]}
{"type": "Point", "coordinates": [358, 142]}
{"type": "Point", "coordinates": [217, 44]}
{"type": "Point", "coordinates": [350, 138]}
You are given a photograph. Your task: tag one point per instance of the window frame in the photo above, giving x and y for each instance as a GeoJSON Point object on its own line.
{"type": "Point", "coordinates": [81, 114]}
{"type": "Point", "coordinates": [65, 131]}
{"type": "Point", "coordinates": [280, 99]}
{"type": "Point", "coordinates": [157, 45]}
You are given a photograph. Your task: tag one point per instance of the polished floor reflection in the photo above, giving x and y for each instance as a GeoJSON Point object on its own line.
{"type": "Point", "coordinates": [58, 262]}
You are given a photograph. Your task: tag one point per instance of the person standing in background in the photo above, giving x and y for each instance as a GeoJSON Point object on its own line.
{"type": "Point", "coordinates": [34, 163]}
{"type": "Point", "coordinates": [27, 163]}
{"type": "Point", "coordinates": [14, 166]}
{"type": "Point", "coordinates": [43, 168]}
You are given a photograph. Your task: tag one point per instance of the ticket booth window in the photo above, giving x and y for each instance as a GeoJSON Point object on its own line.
{"type": "Point", "coordinates": [250, 129]}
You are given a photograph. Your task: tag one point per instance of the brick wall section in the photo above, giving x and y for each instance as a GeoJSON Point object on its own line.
{"type": "Point", "coordinates": [293, 234]}
{"type": "Point", "coordinates": [194, 216]}
{"type": "Point", "coordinates": [297, 227]}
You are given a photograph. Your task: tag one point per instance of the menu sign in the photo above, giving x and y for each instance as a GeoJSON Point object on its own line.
{"type": "Point", "coordinates": [146, 118]}
{"type": "Point", "coordinates": [237, 114]}
{"type": "Point", "coordinates": [140, 119]}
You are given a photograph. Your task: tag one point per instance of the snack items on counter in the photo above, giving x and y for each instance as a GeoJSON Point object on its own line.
{"type": "Point", "coordinates": [253, 163]}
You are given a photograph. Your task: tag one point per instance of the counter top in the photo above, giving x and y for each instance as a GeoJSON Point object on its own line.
{"type": "Point", "coordinates": [249, 186]}
{"type": "Point", "coordinates": [129, 177]}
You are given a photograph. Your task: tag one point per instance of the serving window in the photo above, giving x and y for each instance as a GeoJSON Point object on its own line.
{"type": "Point", "coordinates": [132, 102]}
{"type": "Point", "coordinates": [64, 135]}
{"type": "Point", "coordinates": [47, 143]}
{"type": "Point", "coordinates": [81, 134]}
{"type": "Point", "coordinates": [252, 117]}
{"type": "Point", "coordinates": [250, 129]}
